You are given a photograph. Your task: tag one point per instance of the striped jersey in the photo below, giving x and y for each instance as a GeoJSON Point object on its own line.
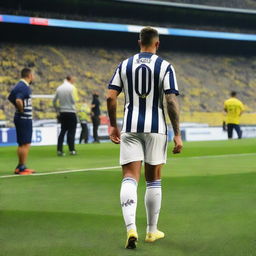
{"type": "Point", "coordinates": [22, 91]}
{"type": "Point", "coordinates": [144, 78]}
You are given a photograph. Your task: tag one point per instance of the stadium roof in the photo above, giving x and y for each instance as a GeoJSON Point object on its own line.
{"type": "Point", "coordinates": [123, 28]}
{"type": "Point", "coordinates": [191, 6]}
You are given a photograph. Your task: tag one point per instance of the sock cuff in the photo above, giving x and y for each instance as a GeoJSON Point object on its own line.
{"type": "Point", "coordinates": [130, 180]}
{"type": "Point", "coordinates": [154, 184]}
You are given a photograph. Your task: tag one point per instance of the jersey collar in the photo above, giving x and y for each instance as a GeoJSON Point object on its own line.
{"type": "Point", "coordinates": [24, 81]}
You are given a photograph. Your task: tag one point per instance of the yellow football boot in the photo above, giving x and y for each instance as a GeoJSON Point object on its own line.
{"type": "Point", "coordinates": [132, 238]}
{"type": "Point", "coordinates": [152, 237]}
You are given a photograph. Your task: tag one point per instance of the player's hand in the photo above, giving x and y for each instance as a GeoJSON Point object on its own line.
{"type": "Point", "coordinates": [114, 134]}
{"type": "Point", "coordinates": [178, 145]}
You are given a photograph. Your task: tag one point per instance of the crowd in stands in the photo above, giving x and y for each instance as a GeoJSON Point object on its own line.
{"type": "Point", "coordinates": [204, 80]}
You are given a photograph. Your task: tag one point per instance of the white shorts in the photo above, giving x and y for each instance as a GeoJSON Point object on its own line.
{"type": "Point", "coordinates": [148, 147]}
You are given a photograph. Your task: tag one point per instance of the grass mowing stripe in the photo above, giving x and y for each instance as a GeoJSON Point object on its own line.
{"type": "Point", "coordinates": [213, 156]}
{"type": "Point", "coordinates": [117, 167]}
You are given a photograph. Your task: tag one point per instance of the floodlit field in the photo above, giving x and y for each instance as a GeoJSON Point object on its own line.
{"type": "Point", "coordinates": [209, 203]}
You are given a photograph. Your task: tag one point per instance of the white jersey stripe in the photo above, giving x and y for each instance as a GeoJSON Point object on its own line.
{"type": "Point", "coordinates": [144, 78]}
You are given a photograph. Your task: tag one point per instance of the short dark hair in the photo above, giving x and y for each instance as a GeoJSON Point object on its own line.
{"type": "Point", "coordinates": [233, 94]}
{"type": "Point", "coordinates": [147, 34]}
{"type": "Point", "coordinates": [25, 72]}
{"type": "Point", "coordinates": [69, 78]}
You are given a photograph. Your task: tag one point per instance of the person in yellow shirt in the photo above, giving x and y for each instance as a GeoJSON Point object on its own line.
{"type": "Point", "coordinates": [84, 112]}
{"type": "Point", "coordinates": [234, 109]}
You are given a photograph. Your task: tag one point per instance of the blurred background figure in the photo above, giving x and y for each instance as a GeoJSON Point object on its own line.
{"type": "Point", "coordinates": [234, 109]}
{"type": "Point", "coordinates": [20, 97]}
{"type": "Point", "coordinates": [64, 103]}
{"type": "Point", "coordinates": [84, 118]}
{"type": "Point", "coordinates": [95, 116]}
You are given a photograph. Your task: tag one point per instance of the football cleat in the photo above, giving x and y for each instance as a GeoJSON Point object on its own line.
{"type": "Point", "coordinates": [132, 238]}
{"type": "Point", "coordinates": [152, 237]}
{"type": "Point", "coordinates": [73, 153]}
{"type": "Point", "coordinates": [60, 153]}
{"type": "Point", "coordinates": [24, 172]}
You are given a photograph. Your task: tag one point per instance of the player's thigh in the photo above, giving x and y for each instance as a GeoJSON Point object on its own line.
{"type": "Point", "coordinates": [132, 170]}
{"type": "Point", "coordinates": [153, 172]}
{"type": "Point", "coordinates": [23, 131]}
{"type": "Point", "coordinates": [155, 148]}
{"type": "Point", "coordinates": [131, 148]}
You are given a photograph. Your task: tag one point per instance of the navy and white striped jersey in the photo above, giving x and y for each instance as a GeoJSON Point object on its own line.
{"type": "Point", "coordinates": [144, 78]}
{"type": "Point", "coordinates": [22, 91]}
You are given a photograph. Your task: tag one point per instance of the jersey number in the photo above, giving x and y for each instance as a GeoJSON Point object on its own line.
{"type": "Point", "coordinates": [143, 81]}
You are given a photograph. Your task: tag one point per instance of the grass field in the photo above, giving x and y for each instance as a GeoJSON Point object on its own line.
{"type": "Point", "coordinates": [209, 203]}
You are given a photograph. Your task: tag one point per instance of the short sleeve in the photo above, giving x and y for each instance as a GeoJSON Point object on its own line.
{"type": "Point", "coordinates": [116, 81]}
{"type": "Point", "coordinates": [170, 85]}
{"type": "Point", "coordinates": [20, 94]}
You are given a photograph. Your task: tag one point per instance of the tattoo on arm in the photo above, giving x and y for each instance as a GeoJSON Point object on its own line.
{"type": "Point", "coordinates": [173, 112]}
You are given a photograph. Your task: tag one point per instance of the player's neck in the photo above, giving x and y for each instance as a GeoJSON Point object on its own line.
{"type": "Point", "coordinates": [26, 81]}
{"type": "Point", "coordinates": [148, 49]}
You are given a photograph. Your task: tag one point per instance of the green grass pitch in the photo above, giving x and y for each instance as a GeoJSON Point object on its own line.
{"type": "Point", "coordinates": [208, 208]}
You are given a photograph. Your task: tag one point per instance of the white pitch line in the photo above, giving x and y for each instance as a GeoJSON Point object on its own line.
{"type": "Point", "coordinates": [62, 172]}
{"type": "Point", "coordinates": [213, 156]}
{"type": "Point", "coordinates": [117, 167]}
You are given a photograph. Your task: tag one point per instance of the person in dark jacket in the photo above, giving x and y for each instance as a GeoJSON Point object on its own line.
{"type": "Point", "coordinates": [95, 116]}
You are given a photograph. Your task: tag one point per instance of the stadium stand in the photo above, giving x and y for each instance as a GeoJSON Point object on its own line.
{"type": "Point", "coordinates": [246, 4]}
{"type": "Point", "coordinates": [204, 79]}
{"type": "Point", "coordinates": [207, 69]}
{"type": "Point", "coordinates": [117, 11]}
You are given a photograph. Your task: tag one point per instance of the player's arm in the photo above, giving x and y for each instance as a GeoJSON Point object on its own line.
{"type": "Point", "coordinates": [114, 133]}
{"type": "Point", "coordinates": [54, 101]}
{"type": "Point", "coordinates": [19, 105]}
{"type": "Point", "coordinates": [225, 107]}
{"type": "Point", "coordinates": [114, 88]}
{"type": "Point", "coordinates": [242, 109]}
{"type": "Point", "coordinates": [173, 113]}
{"type": "Point", "coordinates": [170, 87]}
{"type": "Point", "coordinates": [20, 96]}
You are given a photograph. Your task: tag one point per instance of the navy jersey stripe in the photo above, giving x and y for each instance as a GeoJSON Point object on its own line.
{"type": "Point", "coordinates": [155, 119]}
{"type": "Point", "coordinates": [142, 102]}
{"type": "Point", "coordinates": [130, 92]}
{"type": "Point", "coordinates": [114, 87]}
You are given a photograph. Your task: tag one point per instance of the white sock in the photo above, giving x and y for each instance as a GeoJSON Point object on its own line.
{"type": "Point", "coordinates": [128, 198]}
{"type": "Point", "coordinates": [153, 198]}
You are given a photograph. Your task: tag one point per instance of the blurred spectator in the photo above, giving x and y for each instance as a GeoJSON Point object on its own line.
{"type": "Point", "coordinates": [64, 104]}
{"type": "Point", "coordinates": [95, 116]}
{"type": "Point", "coordinates": [234, 109]}
{"type": "Point", "coordinates": [20, 97]}
{"type": "Point", "coordinates": [84, 118]}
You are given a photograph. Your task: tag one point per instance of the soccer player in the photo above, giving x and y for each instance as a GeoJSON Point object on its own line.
{"type": "Point", "coordinates": [234, 109]}
{"type": "Point", "coordinates": [20, 97]}
{"type": "Point", "coordinates": [144, 78]}
{"type": "Point", "coordinates": [64, 103]}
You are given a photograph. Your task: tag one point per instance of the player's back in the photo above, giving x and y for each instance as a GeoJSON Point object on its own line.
{"type": "Point", "coordinates": [234, 107]}
{"type": "Point", "coordinates": [144, 78]}
{"type": "Point", "coordinates": [65, 95]}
